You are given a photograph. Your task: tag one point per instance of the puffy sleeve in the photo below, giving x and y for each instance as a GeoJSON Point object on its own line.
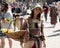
{"type": "Point", "coordinates": [8, 15]}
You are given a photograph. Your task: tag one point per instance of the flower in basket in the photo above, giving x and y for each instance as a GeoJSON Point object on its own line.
{"type": "Point", "coordinates": [4, 30]}
{"type": "Point", "coordinates": [10, 31]}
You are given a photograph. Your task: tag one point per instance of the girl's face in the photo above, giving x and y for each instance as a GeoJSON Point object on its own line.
{"type": "Point", "coordinates": [36, 11]}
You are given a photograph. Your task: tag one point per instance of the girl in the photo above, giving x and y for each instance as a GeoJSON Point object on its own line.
{"type": "Point", "coordinates": [36, 26]}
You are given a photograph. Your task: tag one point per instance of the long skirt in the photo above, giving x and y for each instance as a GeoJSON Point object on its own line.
{"type": "Point", "coordinates": [53, 20]}
{"type": "Point", "coordinates": [37, 44]}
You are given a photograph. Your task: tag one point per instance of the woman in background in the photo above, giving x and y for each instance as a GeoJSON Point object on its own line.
{"type": "Point", "coordinates": [53, 14]}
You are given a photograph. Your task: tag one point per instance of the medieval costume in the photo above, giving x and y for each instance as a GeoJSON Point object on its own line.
{"type": "Point", "coordinates": [53, 15]}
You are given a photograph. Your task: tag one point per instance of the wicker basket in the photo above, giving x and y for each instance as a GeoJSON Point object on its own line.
{"type": "Point", "coordinates": [17, 35]}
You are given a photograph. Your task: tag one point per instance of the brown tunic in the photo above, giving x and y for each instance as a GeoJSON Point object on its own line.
{"type": "Point", "coordinates": [36, 31]}
{"type": "Point", "coordinates": [53, 15]}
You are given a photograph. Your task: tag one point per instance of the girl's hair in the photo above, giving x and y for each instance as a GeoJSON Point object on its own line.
{"type": "Point", "coordinates": [5, 5]}
{"type": "Point", "coordinates": [38, 16]}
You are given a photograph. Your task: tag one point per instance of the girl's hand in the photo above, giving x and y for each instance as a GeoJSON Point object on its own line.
{"type": "Point", "coordinates": [44, 45]}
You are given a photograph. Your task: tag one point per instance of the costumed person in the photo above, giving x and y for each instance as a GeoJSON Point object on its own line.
{"type": "Point", "coordinates": [35, 24]}
{"type": "Point", "coordinates": [16, 13]}
{"type": "Point", "coordinates": [25, 38]}
{"type": "Point", "coordinates": [46, 9]}
{"type": "Point", "coordinates": [5, 19]}
{"type": "Point", "coordinates": [53, 14]}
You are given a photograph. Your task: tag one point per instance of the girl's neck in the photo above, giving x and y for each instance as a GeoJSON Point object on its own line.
{"type": "Point", "coordinates": [35, 16]}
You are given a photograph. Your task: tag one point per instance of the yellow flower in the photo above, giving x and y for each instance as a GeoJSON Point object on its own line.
{"type": "Point", "coordinates": [4, 30]}
{"type": "Point", "coordinates": [7, 19]}
{"type": "Point", "coordinates": [10, 31]}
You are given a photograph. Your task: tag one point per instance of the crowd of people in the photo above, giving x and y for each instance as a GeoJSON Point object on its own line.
{"type": "Point", "coordinates": [12, 17]}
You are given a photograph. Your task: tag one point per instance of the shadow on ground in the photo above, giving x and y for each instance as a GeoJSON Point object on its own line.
{"type": "Point", "coordinates": [49, 27]}
{"type": "Point", "coordinates": [57, 30]}
{"type": "Point", "coordinates": [54, 35]}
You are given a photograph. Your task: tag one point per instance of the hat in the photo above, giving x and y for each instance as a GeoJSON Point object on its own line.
{"type": "Point", "coordinates": [35, 6]}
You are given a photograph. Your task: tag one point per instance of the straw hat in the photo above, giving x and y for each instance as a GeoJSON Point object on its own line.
{"type": "Point", "coordinates": [35, 6]}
